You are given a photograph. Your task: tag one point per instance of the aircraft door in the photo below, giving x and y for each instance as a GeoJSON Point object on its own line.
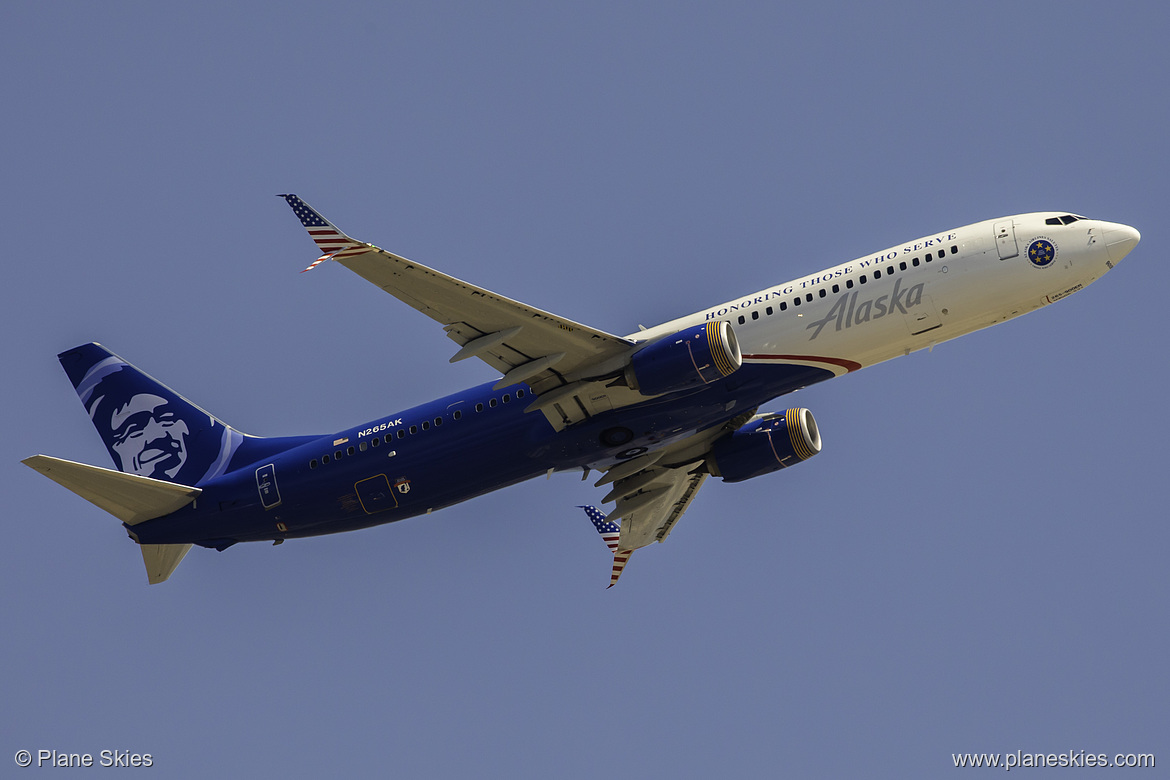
{"type": "Point", "coordinates": [1005, 239]}
{"type": "Point", "coordinates": [266, 484]}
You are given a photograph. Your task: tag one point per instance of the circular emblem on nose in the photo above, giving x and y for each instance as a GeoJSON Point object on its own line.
{"type": "Point", "coordinates": [1041, 252]}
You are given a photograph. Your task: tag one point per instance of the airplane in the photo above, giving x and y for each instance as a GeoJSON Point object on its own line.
{"type": "Point", "coordinates": [655, 412]}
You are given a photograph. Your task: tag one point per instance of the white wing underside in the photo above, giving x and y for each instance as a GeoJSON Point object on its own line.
{"type": "Point", "coordinates": [653, 490]}
{"type": "Point", "coordinates": [510, 335]}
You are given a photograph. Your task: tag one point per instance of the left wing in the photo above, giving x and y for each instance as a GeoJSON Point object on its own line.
{"type": "Point", "coordinates": [524, 343]}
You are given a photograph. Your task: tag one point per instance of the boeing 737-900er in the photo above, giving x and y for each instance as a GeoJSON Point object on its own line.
{"type": "Point", "coordinates": [655, 412]}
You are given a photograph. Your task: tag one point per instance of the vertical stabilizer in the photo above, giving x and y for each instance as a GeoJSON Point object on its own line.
{"type": "Point", "coordinates": [149, 429]}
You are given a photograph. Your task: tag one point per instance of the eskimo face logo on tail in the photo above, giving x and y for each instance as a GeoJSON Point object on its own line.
{"type": "Point", "coordinates": [143, 430]}
{"type": "Point", "coordinates": [149, 437]}
{"type": "Point", "coordinates": [151, 432]}
{"type": "Point", "coordinates": [848, 311]}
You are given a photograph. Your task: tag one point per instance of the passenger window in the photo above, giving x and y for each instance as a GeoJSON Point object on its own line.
{"type": "Point", "coordinates": [458, 415]}
{"type": "Point", "coordinates": [862, 279]}
{"type": "Point", "coordinates": [796, 301]}
{"type": "Point", "coordinates": [769, 310]}
{"type": "Point", "coordinates": [954, 250]}
{"type": "Point", "coordinates": [942, 253]}
{"type": "Point", "coordinates": [401, 434]}
{"type": "Point", "coordinates": [313, 463]}
{"type": "Point", "coordinates": [376, 442]}
{"type": "Point", "coordinates": [507, 398]}
{"type": "Point", "coordinates": [492, 403]}
{"type": "Point", "coordinates": [822, 292]}
{"type": "Point", "coordinates": [349, 450]}
{"type": "Point", "coordinates": [890, 270]}
{"type": "Point", "coordinates": [337, 455]}
{"type": "Point", "coordinates": [324, 459]}
{"type": "Point", "coordinates": [363, 446]}
{"type": "Point", "coordinates": [915, 262]}
{"type": "Point", "coordinates": [877, 274]}
{"type": "Point", "coordinates": [426, 426]}
{"type": "Point", "coordinates": [929, 257]}
{"type": "Point", "coordinates": [413, 429]}
{"type": "Point", "coordinates": [755, 315]}
{"type": "Point", "coordinates": [741, 319]}
{"type": "Point", "coordinates": [783, 305]}
{"type": "Point", "coordinates": [901, 266]}
{"type": "Point", "coordinates": [849, 284]}
{"type": "Point", "coordinates": [520, 393]}
{"type": "Point", "coordinates": [479, 407]}
{"type": "Point", "coordinates": [836, 288]}
{"type": "Point", "coordinates": [438, 421]}
{"type": "Point", "coordinates": [808, 297]}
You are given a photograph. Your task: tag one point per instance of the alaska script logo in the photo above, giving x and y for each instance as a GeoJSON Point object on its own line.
{"type": "Point", "coordinates": [847, 311]}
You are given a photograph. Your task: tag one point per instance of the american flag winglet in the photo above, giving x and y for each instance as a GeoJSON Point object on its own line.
{"type": "Point", "coordinates": [320, 260]}
{"type": "Point", "coordinates": [610, 534]}
{"type": "Point", "coordinates": [332, 242]}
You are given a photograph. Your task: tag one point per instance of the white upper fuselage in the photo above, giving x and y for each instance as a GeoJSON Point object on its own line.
{"type": "Point", "coordinates": [919, 293]}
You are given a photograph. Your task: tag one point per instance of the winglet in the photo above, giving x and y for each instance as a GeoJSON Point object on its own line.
{"type": "Point", "coordinates": [331, 241]}
{"type": "Point", "coordinates": [610, 533]}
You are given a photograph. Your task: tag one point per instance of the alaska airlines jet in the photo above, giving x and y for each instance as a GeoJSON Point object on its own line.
{"type": "Point", "coordinates": [655, 412]}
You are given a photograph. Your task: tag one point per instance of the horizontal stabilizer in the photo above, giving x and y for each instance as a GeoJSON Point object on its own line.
{"type": "Point", "coordinates": [128, 497]}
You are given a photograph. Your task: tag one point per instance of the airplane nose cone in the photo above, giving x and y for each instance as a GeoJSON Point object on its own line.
{"type": "Point", "coordinates": [1119, 240]}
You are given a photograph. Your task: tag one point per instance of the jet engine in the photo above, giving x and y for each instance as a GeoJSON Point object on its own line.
{"type": "Point", "coordinates": [695, 356]}
{"type": "Point", "coordinates": [766, 443]}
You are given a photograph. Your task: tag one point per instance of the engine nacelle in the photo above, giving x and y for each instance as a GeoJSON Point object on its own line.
{"type": "Point", "coordinates": [696, 356]}
{"type": "Point", "coordinates": [766, 443]}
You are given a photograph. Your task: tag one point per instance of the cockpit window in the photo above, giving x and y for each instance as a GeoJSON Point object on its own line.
{"type": "Point", "coordinates": [1067, 219]}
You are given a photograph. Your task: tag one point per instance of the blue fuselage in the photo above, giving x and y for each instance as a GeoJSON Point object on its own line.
{"type": "Point", "coordinates": [441, 453]}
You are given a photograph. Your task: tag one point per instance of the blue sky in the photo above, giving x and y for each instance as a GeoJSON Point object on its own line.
{"type": "Point", "coordinates": [975, 563]}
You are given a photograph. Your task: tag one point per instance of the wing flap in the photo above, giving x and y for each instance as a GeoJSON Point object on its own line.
{"type": "Point", "coordinates": [653, 520]}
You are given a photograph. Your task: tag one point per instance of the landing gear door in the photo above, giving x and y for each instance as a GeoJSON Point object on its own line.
{"type": "Point", "coordinates": [1005, 239]}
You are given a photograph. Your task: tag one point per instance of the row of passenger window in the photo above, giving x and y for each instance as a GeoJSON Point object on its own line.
{"type": "Point", "coordinates": [863, 279]}
{"type": "Point", "coordinates": [403, 432]}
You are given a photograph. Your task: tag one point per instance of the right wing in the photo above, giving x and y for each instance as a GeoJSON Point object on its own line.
{"type": "Point", "coordinates": [523, 343]}
{"type": "Point", "coordinates": [651, 500]}
{"type": "Point", "coordinates": [653, 491]}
